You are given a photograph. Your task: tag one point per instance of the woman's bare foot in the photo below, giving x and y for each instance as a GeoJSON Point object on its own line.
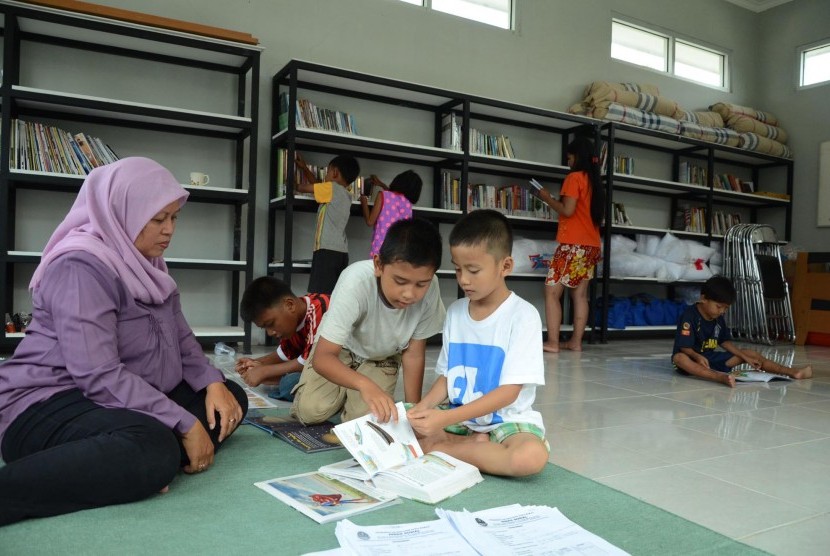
{"type": "Point", "coordinates": [550, 347]}
{"type": "Point", "coordinates": [572, 347]}
{"type": "Point", "coordinates": [803, 372]}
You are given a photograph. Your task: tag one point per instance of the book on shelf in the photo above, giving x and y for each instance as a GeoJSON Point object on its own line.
{"type": "Point", "coordinates": [324, 498]}
{"type": "Point", "coordinates": [623, 165]}
{"type": "Point", "coordinates": [306, 438]}
{"type": "Point", "coordinates": [388, 455]}
{"type": "Point", "coordinates": [603, 158]}
{"type": "Point", "coordinates": [620, 216]}
{"type": "Point", "coordinates": [692, 173]}
{"type": "Point", "coordinates": [757, 376]}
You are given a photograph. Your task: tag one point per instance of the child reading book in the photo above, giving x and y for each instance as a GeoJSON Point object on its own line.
{"type": "Point", "coordinates": [702, 329]}
{"type": "Point", "coordinates": [271, 305]}
{"type": "Point", "coordinates": [490, 363]}
{"type": "Point", "coordinates": [382, 313]}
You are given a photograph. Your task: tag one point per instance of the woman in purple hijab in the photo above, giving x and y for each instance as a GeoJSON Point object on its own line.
{"type": "Point", "coordinates": [109, 394]}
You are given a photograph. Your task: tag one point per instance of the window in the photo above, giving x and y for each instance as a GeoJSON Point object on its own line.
{"type": "Point", "coordinates": [492, 12]}
{"type": "Point", "coordinates": [662, 51]}
{"type": "Point", "coordinates": [815, 64]}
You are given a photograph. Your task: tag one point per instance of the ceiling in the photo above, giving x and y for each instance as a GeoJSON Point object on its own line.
{"type": "Point", "coordinates": [758, 6]}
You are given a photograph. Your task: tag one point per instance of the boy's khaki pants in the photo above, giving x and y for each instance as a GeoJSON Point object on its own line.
{"type": "Point", "coordinates": [316, 398]}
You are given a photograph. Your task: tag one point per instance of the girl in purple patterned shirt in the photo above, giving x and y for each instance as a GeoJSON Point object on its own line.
{"type": "Point", "coordinates": [393, 203]}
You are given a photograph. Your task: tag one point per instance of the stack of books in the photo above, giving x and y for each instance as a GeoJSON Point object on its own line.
{"type": "Point", "coordinates": [623, 165]}
{"type": "Point", "coordinates": [691, 173]}
{"type": "Point", "coordinates": [300, 177]}
{"type": "Point", "coordinates": [729, 182]}
{"type": "Point", "coordinates": [39, 147]}
{"type": "Point", "coordinates": [480, 142]}
{"type": "Point", "coordinates": [310, 116]}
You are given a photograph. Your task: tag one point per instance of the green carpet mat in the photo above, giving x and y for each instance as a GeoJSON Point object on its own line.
{"type": "Point", "coordinates": [221, 512]}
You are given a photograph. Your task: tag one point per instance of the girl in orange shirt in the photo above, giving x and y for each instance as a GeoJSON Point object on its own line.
{"type": "Point", "coordinates": [581, 206]}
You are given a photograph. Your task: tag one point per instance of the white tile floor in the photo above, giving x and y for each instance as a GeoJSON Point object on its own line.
{"type": "Point", "coordinates": [752, 463]}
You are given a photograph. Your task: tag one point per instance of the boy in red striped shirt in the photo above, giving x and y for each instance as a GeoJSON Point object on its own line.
{"type": "Point", "coordinates": [271, 305]}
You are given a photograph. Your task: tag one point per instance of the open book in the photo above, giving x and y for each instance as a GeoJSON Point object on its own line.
{"type": "Point", "coordinates": [388, 455]}
{"type": "Point", "coordinates": [757, 376]}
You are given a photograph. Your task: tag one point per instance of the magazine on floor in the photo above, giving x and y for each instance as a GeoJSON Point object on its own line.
{"type": "Point", "coordinates": [757, 376]}
{"type": "Point", "coordinates": [306, 438]}
{"type": "Point", "coordinates": [324, 498]}
{"type": "Point", "coordinates": [389, 455]}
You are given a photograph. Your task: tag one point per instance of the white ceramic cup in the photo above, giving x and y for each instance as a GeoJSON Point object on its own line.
{"type": "Point", "coordinates": [199, 178]}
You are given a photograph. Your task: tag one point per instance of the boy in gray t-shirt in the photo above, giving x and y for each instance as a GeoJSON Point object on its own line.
{"type": "Point", "coordinates": [381, 314]}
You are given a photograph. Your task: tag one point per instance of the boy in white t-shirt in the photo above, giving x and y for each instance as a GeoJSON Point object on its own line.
{"type": "Point", "coordinates": [381, 313]}
{"type": "Point", "coordinates": [490, 363]}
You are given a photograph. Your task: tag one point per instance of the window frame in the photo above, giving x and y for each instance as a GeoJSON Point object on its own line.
{"type": "Point", "coordinates": [511, 24]}
{"type": "Point", "coordinates": [673, 38]}
{"type": "Point", "coordinates": [801, 51]}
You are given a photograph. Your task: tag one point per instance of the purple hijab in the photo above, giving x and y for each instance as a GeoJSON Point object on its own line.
{"type": "Point", "coordinates": [114, 204]}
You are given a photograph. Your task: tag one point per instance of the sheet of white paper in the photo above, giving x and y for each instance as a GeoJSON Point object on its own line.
{"type": "Point", "coordinates": [525, 531]}
{"type": "Point", "coordinates": [424, 538]}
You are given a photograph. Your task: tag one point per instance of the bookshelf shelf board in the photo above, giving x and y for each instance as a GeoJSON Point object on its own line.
{"type": "Point", "coordinates": [619, 229]}
{"type": "Point", "coordinates": [75, 106]}
{"type": "Point", "coordinates": [218, 332]}
{"type": "Point", "coordinates": [645, 328]}
{"type": "Point", "coordinates": [528, 168]}
{"type": "Point", "coordinates": [637, 184]}
{"type": "Point", "coordinates": [125, 34]}
{"type": "Point", "coordinates": [749, 199]}
{"type": "Point", "coordinates": [303, 204]}
{"type": "Point", "coordinates": [641, 280]}
{"type": "Point", "coordinates": [301, 268]}
{"type": "Point", "coordinates": [367, 146]}
{"type": "Point", "coordinates": [523, 114]}
{"type": "Point", "coordinates": [214, 194]}
{"type": "Point", "coordinates": [172, 262]}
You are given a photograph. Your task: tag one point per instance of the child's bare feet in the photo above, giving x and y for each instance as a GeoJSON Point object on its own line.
{"type": "Point", "coordinates": [725, 378]}
{"type": "Point", "coordinates": [803, 372]}
{"type": "Point", "coordinates": [551, 347]}
{"type": "Point", "coordinates": [572, 347]}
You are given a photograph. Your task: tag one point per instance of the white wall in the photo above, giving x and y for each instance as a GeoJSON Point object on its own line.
{"type": "Point", "coordinates": [804, 113]}
{"type": "Point", "coordinates": [557, 48]}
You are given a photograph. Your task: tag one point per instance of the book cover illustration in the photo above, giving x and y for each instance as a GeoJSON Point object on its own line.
{"type": "Point", "coordinates": [307, 438]}
{"type": "Point", "coordinates": [324, 498]}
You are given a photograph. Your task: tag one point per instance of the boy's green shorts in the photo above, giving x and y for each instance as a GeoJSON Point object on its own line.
{"type": "Point", "coordinates": [500, 433]}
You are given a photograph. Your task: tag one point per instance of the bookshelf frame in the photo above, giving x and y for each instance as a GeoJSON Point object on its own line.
{"type": "Point", "coordinates": [27, 23]}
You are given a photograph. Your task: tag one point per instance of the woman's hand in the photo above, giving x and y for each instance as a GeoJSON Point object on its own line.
{"type": "Point", "coordinates": [199, 448]}
{"type": "Point", "coordinates": [220, 400]}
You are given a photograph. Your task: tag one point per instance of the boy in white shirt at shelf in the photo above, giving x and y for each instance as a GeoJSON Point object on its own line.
{"type": "Point", "coordinates": [490, 363]}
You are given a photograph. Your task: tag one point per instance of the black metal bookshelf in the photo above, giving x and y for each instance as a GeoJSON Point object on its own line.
{"type": "Point", "coordinates": [431, 105]}
{"type": "Point", "coordinates": [26, 24]}
{"type": "Point", "coordinates": [678, 148]}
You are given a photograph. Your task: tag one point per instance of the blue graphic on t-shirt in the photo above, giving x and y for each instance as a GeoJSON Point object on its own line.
{"type": "Point", "coordinates": [474, 370]}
